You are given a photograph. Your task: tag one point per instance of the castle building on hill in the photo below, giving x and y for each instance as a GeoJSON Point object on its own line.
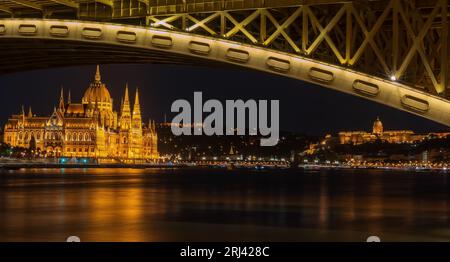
{"type": "Point", "coordinates": [90, 129]}
{"type": "Point", "coordinates": [390, 136]}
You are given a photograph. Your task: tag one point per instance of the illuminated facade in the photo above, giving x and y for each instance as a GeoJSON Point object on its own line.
{"type": "Point", "coordinates": [90, 129]}
{"type": "Point", "coordinates": [378, 133]}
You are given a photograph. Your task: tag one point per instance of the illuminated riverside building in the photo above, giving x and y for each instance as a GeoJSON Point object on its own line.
{"type": "Point", "coordinates": [90, 129]}
{"type": "Point", "coordinates": [391, 136]}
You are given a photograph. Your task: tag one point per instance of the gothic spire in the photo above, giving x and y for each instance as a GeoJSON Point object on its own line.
{"type": "Point", "coordinates": [137, 107]}
{"type": "Point", "coordinates": [97, 74]}
{"type": "Point", "coordinates": [23, 114]}
{"type": "Point", "coordinates": [125, 113]}
{"type": "Point", "coordinates": [69, 99]}
{"type": "Point", "coordinates": [30, 113]}
{"type": "Point", "coordinates": [61, 100]}
{"type": "Point", "coordinates": [127, 98]}
{"type": "Point", "coordinates": [126, 103]}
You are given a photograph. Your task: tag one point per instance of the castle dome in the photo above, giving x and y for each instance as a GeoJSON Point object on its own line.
{"type": "Point", "coordinates": [97, 91]}
{"type": "Point", "coordinates": [377, 126]}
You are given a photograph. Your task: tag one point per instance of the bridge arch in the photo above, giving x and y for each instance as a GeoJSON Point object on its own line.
{"type": "Point", "coordinates": [65, 42]}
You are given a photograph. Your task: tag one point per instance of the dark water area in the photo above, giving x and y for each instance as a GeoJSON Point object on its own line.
{"type": "Point", "coordinates": [223, 205]}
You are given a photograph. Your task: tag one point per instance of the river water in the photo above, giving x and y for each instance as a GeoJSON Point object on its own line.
{"type": "Point", "coordinates": [223, 205]}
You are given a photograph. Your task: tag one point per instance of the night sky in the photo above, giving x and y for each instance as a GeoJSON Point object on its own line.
{"type": "Point", "coordinates": [304, 107]}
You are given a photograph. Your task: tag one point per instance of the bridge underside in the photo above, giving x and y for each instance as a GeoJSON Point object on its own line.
{"type": "Point", "coordinates": [31, 54]}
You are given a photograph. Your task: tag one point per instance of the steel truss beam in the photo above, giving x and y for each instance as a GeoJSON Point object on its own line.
{"type": "Point", "coordinates": [146, 2]}
{"type": "Point", "coordinates": [68, 3]}
{"type": "Point", "coordinates": [6, 9]}
{"type": "Point", "coordinates": [401, 40]}
{"type": "Point", "coordinates": [396, 41]}
{"type": "Point", "coordinates": [29, 4]}
{"type": "Point", "coordinates": [104, 2]}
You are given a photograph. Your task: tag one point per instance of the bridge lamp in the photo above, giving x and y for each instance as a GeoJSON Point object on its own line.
{"type": "Point", "coordinates": [393, 78]}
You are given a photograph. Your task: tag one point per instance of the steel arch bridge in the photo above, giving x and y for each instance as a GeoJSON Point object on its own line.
{"type": "Point", "coordinates": [395, 52]}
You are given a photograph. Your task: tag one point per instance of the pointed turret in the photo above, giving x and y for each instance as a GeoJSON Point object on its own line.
{"type": "Point", "coordinates": [98, 77]}
{"type": "Point", "coordinates": [30, 113]}
{"type": "Point", "coordinates": [125, 113]}
{"type": "Point", "coordinates": [125, 110]}
{"type": "Point", "coordinates": [231, 151]}
{"type": "Point", "coordinates": [69, 99]}
{"type": "Point", "coordinates": [61, 100]}
{"type": "Point", "coordinates": [23, 114]}
{"type": "Point", "coordinates": [137, 121]}
{"type": "Point", "coordinates": [137, 105]}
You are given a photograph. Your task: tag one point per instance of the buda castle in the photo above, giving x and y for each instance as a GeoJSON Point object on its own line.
{"type": "Point", "coordinates": [90, 129]}
{"type": "Point", "coordinates": [390, 136]}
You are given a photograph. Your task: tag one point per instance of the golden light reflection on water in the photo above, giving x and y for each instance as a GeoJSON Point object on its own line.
{"type": "Point", "coordinates": [177, 205]}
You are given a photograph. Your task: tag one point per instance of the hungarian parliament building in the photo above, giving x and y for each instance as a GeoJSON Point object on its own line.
{"type": "Point", "coordinates": [90, 129]}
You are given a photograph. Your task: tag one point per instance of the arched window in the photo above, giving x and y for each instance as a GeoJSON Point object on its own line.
{"type": "Point", "coordinates": [80, 137]}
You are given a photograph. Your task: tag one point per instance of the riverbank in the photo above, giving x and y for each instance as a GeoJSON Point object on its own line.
{"type": "Point", "coordinates": [386, 168]}
{"type": "Point", "coordinates": [222, 165]}
{"type": "Point", "coordinates": [14, 166]}
{"type": "Point", "coordinates": [25, 165]}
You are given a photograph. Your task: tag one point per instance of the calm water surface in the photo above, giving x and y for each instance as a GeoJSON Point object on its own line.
{"type": "Point", "coordinates": [221, 205]}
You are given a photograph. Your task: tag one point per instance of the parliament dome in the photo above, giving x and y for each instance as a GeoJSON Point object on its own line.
{"type": "Point", "coordinates": [97, 91]}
